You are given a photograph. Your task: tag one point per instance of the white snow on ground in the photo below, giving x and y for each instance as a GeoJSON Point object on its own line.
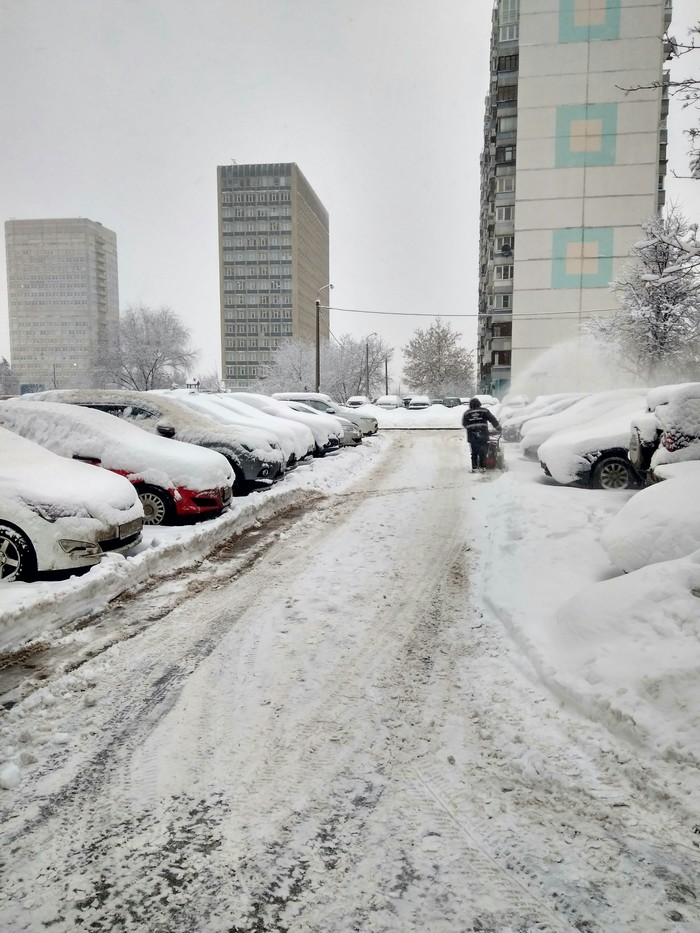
{"type": "Point", "coordinates": [362, 741]}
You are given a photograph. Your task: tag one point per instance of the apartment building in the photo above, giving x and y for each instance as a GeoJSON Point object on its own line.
{"type": "Point", "coordinates": [273, 262]}
{"type": "Point", "coordinates": [63, 296]}
{"type": "Point", "coordinates": [572, 164]}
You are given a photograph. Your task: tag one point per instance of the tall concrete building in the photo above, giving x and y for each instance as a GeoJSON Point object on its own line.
{"type": "Point", "coordinates": [63, 293]}
{"type": "Point", "coordinates": [273, 260]}
{"type": "Point", "coordinates": [572, 164]}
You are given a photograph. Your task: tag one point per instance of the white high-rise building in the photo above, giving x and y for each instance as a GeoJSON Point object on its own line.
{"type": "Point", "coordinates": [573, 163]}
{"type": "Point", "coordinates": [62, 283]}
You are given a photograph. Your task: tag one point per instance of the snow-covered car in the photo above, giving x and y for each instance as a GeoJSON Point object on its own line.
{"type": "Point", "coordinates": [451, 401]}
{"type": "Point", "coordinates": [367, 423]}
{"type": "Point", "coordinates": [356, 401]}
{"type": "Point", "coordinates": [173, 480]}
{"type": "Point", "coordinates": [209, 405]}
{"type": "Point", "coordinates": [389, 401]}
{"type": "Point", "coordinates": [58, 514]}
{"type": "Point", "coordinates": [418, 401]}
{"type": "Point", "coordinates": [668, 431]}
{"type": "Point", "coordinates": [659, 523]}
{"type": "Point", "coordinates": [594, 453]}
{"type": "Point", "coordinates": [293, 433]}
{"type": "Point", "coordinates": [255, 463]}
{"type": "Point", "coordinates": [351, 435]}
{"type": "Point", "coordinates": [542, 407]}
{"type": "Point", "coordinates": [538, 430]}
{"type": "Point", "coordinates": [325, 438]}
{"type": "Point", "coordinates": [489, 401]}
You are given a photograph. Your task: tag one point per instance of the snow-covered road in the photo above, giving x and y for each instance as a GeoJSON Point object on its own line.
{"type": "Point", "coordinates": [337, 738]}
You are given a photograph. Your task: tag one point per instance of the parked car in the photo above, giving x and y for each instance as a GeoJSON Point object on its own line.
{"type": "Point", "coordinates": [173, 480]}
{"type": "Point", "coordinates": [356, 401]}
{"type": "Point", "coordinates": [58, 514]}
{"type": "Point", "coordinates": [668, 431]}
{"type": "Point", "coordinates": [367, 424]}
{"type": "Point", "coordinates": [326, 438]}
{"type": "Point", "coordinates": [594, 453]}
{"type": "Point", "coordinates": [351, 435]}
{"type": "Point", "coordinates": [451, 401]}
{"type": "Point", "coordinates": [418, 401]}
{"type": "Point", "coordinates": [389, 401]}
{"type": "Point", "coordinates": [538, 430]}
{"type": "Point", "coordinates": [255, 464]}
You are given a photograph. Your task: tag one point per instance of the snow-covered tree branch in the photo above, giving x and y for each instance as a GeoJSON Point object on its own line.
{"type": "Point", "coordinates": [437, 364]}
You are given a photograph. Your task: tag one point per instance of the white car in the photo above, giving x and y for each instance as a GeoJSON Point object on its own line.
{"type": "Point", "coordinates": [326, 437]}
{"type": "Point", "coordinates": [389, 402]}
{"type": "Point", "coordinates": [173, 480]}
{"type": "Point", "coordinates": [418, 401]}
{"type": "Point", "coordinates": [594, 453]}
{"type": "Point", "coordinates": [538, 430]}
{"type": "Point", "coordinates": [542, 407]}
{"type": "Point", "coordinates": [367, 424]}
{"type": "Point", "coordinates": [357, 401]}
{"type": "Point", "coordinates": [58, 514]}
{"type": "Point", "coordinates": [668, 432]}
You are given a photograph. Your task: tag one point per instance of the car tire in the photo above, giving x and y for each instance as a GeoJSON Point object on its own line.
{"type": "Point", "coordinates": [157, 505]}
{"type": "Point", "coordinates": [614, 473]}
{"type": "Point", "coordinates": [17, 557]}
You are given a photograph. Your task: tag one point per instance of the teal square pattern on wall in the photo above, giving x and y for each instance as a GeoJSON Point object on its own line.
{"type": "Point", "coordinates": [586, 135]}
{"type": "Point", "coordinates": [589, 20]}
{"type": "Point", "coordinates": [582, 257]}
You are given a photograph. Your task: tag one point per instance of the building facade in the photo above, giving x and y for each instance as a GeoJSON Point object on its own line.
{"type": "Point", "coordinates": [572, 164]}
{"type": "Point", "coordinates": [273, 264]}
{"type": "Point", "coordinates": [63, 297]}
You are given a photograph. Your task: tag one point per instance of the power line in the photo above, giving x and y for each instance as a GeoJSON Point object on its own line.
{"type": "Point", "coordinates": [534, 316]}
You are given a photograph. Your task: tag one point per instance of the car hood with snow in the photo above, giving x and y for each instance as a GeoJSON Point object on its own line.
{"type": "Point", "coordinates": [536, 432]}
{"type": "Point", "coordinates": [324, 437]}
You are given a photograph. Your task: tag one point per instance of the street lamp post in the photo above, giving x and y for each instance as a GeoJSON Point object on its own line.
{"type": "Point", "coordinates": [318, 334]}
{"type": "Point", "coordinates": [373, 334]}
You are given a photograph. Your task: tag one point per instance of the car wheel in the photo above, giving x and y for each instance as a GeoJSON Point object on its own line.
{"type": "Point", "coordinates": [614, 473]}
{"type": "Point", "coordinates": [157, 505]}
{"type": "Point", "coordinates": [17, 557]}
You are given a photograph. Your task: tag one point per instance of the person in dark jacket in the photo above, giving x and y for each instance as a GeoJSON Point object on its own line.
{"type": "Point", "coordinates": [476, 422]}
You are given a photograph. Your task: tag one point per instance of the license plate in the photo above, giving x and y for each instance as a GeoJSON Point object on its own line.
{"type": "Point", "coordinates": [130, 528]}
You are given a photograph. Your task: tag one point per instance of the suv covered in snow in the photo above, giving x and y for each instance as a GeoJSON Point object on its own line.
{"type": "Point", "coordinates": [669, 431]}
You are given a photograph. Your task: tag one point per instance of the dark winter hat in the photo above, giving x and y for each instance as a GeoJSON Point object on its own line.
{"type": "Point", "coordinates": [474, 403]}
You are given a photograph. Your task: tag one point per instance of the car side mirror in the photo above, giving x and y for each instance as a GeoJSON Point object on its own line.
{"type": "Point", "coordinates": [166, 430]}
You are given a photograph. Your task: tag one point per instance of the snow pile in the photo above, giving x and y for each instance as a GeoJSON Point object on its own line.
{"type": "Point", "coordinates": [625, 651]}
{"type": "Point", "coordinates": [660, 523]}
{"type": "Point", "coordinates": [436, 416]}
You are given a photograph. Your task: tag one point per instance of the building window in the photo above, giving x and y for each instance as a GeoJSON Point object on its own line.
{"type": "Point", "coordinates": [505, 184]}
{"type": "Point", "coordinates": [503, 273]}
{"type": "Point", "coordinates": [505, 154]}
{"type": "Point", "coordinates": [502, 302]}
{"type": "Point", "coordinates": [504, 214]}
{"type": "Point", "coordinates": [508, 33]}
{"type": "Point", "coordinates": [504, 245]}
{"type": "Point", "coordinates": [507, 63]}
{"type": "Point", "coordinates": [507, 124]}
{"type": "Point", "coordinates": [507, 92]}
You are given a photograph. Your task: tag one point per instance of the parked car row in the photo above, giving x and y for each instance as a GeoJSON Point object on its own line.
{"type": "Point", "coordinates": [619, 439]}
{"type": "Point", "coordinates": [82, 470]}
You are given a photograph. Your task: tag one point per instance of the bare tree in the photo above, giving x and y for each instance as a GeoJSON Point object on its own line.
{"type": "Point", "coordinates": [437, 364]}
{"type": "Point", "coordinates": [153, 351]}
{"type": "Point", "coordinates": [343, 366]}
{"type": "Point", "coordinates": [655, 333]}
{"type": "Point", "coordinates": [9, 383]}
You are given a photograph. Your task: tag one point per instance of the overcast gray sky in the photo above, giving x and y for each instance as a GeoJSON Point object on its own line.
{"type": "Point", "coordinates": [120, 111]}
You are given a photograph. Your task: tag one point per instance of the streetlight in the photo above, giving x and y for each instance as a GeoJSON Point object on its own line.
{"type": "Point", "coordinates": [318, 334]}
{"type": "Point", "coordinates": [373, 334]}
